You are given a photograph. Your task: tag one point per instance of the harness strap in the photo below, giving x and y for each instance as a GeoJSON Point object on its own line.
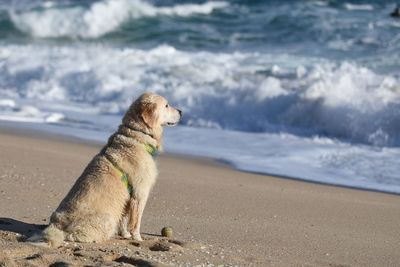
{"type": "Point", "coordinates": [151, 149]}
{"type": "Point", "coordinates": [123, 176]}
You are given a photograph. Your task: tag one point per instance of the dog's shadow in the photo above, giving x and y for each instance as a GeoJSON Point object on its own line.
{"type": "Point", "coordinates": [19, 227]}
{"type": "Point", "coordinates": [28, 229]}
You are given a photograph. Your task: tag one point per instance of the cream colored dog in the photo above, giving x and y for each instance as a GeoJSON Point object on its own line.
{"type": "Point", "coordinates": [110, 195]}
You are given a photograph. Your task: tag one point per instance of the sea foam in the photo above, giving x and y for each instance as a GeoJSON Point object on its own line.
{"type": "Point", "coordinates": [363, 7]}
{"type": "Point", "coordinates": [249, 92]}
{"type": "Point", "coordinates": [99, 19]}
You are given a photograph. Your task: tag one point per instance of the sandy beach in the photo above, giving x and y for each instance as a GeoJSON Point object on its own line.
{"type": "Point", "coordinates": [220, 216]}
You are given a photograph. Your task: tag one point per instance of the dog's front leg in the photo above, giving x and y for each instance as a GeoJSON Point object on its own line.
{"type": "Point", "coordinates": [134, 224]}
{"type": "Point", "coordinates": [123, 227]}
{"type": "Point", "coordinates": [133, 218]}
{"type": "Point", "coordinates": [128, 218]}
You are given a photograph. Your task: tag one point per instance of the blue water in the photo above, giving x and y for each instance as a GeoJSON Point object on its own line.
{"type": "Point", "coordinates": [322, 76]}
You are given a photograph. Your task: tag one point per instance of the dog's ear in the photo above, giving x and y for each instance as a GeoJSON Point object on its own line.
{"type": "Point", "coordinates": [148, 114]}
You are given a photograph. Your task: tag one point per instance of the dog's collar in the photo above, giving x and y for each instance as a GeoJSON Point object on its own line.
{"type": "Point", "coordinates": [123, 176]}
{"type": "Point", "coordinates": [152, 150]}
{"type": "Point", "coordinates": [138, 130]}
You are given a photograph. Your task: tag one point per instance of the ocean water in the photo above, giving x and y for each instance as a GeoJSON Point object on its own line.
{"type": "Point", "coordinates": [303, 89]}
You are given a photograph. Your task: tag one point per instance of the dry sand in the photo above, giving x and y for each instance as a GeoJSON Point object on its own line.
{"type": "Point", "coordinates": [220, 216]}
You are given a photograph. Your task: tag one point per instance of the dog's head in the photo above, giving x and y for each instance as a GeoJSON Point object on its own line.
{"type": "Point", "coordinates": [155, 111]}
{"type": "Point", "coordinates": [150, 112]}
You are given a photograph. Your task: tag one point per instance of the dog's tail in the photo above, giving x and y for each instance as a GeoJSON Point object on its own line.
{"type": "Point", "coordinates": [50, 237]}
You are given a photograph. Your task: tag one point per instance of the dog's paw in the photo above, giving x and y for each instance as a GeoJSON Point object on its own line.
{"type": "Point", "coordinates": [126, 235]}
{"type": "Point", "coordinates": [137, 237]}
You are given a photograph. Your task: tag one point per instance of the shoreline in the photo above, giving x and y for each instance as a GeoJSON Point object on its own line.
{"type": "Point", "coordinates": [219, 215]}
{"type": "Point", "coordinates": [22, 129]}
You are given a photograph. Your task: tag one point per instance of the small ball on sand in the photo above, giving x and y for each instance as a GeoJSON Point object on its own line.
{"type": "Point", "coordinates": [166, 231]}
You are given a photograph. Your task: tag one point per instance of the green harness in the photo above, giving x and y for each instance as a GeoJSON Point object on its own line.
{"type": "Point", "coordinates": [124, 177]}
{"type": "Point", "coordinates": [151, 149]}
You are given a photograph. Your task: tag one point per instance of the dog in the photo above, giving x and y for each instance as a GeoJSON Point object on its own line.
{"type": "Point", "coordinates": [111, 194]}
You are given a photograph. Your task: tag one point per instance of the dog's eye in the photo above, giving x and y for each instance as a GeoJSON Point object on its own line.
{"type": "Point", "coordinates": [166, 105]}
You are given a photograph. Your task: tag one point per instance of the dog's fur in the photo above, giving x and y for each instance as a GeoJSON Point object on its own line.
{"type": "Point", "coordinates": [99, 206]}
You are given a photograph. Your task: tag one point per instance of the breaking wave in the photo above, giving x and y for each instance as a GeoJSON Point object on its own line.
{"type": "Point", "coordinates": [98, 19]}
{"type": "Point", "coordinates": [250, 92]}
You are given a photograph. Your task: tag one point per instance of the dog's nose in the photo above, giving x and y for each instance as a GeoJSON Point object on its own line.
{"type": "Point", "coordinates": [180, 112]}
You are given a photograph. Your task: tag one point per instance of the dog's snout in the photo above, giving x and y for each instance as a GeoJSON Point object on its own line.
{"type": "Point", "coordinates": [180, 112]}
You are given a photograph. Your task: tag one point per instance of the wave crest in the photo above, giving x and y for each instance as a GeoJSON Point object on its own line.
{"type": "Point", "coordinates": [242, 91]}
{"type": "Point", "coordinates": [101, 18]}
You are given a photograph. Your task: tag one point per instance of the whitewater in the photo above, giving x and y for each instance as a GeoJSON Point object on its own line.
{"type": "Point", "coordinates": [330, 114]}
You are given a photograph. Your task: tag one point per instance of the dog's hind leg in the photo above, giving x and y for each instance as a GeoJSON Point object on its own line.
{"type": "Point", "coordinates": [95, 228]}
